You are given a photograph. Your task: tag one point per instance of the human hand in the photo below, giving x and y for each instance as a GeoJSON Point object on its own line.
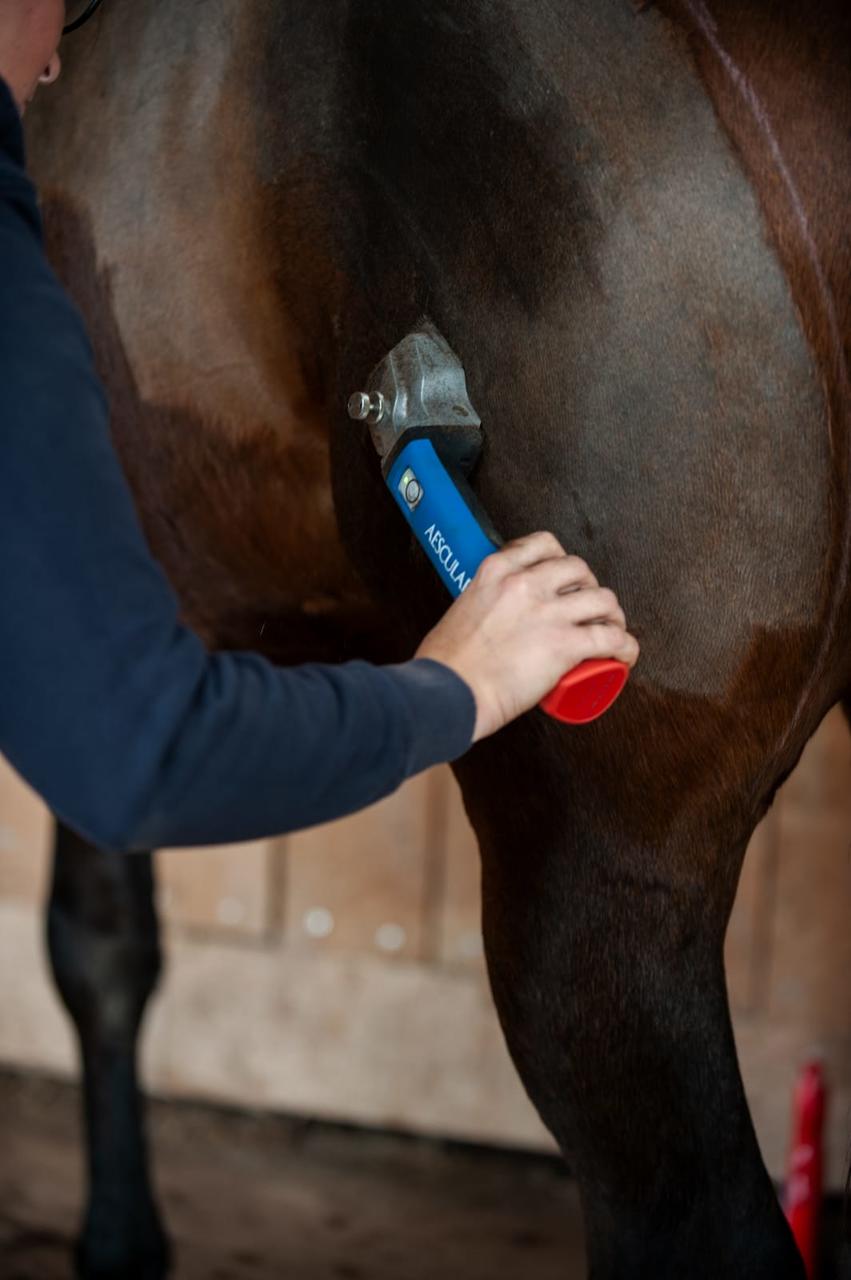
{"type": "Point", "coordinates": [531, 613]}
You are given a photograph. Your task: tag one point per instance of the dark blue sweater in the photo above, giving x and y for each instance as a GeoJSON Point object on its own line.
{"type": "Point", "coordinates": [113, 710]}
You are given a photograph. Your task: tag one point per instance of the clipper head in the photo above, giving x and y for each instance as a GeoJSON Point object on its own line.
{"type": "Point", "coordinates": [420, 387]}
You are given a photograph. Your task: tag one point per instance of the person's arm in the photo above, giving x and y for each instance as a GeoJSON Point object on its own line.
{"type": "Point", "coordinates": [115, 712]}
{"type": "Point", "coordinates": [110, 708]}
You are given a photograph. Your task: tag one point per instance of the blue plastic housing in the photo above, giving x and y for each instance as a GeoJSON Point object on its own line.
{"type": "Point", "coordinates": [441, 515]}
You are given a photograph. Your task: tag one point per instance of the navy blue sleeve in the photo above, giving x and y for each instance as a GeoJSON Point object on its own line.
{"type": "Point", "coordinates": [110, 708]}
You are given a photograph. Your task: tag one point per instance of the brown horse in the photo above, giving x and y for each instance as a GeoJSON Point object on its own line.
{"type": "Point", "coordinates": [632, 227]}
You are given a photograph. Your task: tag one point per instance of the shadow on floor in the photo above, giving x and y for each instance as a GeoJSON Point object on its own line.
{"type": "Point", "coordinates": [249, 1197]}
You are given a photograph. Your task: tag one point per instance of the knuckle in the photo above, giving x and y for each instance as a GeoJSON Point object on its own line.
{"type": "Point", "coordinates": [543, 542]}
{"type": "Point", "coordinates": [490, 568]}
{"type": "Point", "coordinates": [516, 586]}
{"type": "Point", "coordinates": [601, 638]}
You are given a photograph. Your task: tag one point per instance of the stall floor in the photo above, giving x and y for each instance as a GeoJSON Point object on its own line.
{"type": "Point", "coordinates": [253, 1196]}
{"type": "Point", "coordinates": [248, 1197]}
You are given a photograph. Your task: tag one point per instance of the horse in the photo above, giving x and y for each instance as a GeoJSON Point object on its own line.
{"type": "Point", "coordinates": [627, 220]}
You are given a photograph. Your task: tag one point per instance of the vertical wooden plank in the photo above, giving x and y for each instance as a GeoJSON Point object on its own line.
{"type": "Point", "coordinates": [818, 792]}
{"type": "Point", "coordinates": [26, 836]}
{"type": "Point", "coordinates": [223, 890]}
{"type": "Point", "coordinates": [770, 1052]}
{"type": "Point", "coordinates": [434, 887]}
{"type": "Point", "coordinates": [361, 884]}
{"type": "Point", "coordinates": [807, 955]}
{"type": "Point", "coordinates": [748, 942]}
{"type": "Point", "coordinates": [812, 943]}
{"type": "Point", "coordinates": [461, 932]}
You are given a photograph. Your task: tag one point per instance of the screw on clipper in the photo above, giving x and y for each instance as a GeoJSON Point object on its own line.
{"type": "Point", "coordinates": [428, 436]}
{"type": "Point", "coordinates": [366, 407]}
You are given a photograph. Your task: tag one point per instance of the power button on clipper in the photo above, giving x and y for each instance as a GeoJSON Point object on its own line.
{"type": "Point", "coordinates": [410, 489]}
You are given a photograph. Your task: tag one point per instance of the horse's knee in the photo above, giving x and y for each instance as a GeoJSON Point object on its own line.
{"type": "Point", "coordinates": [583, 943]}
{"type": "Point", "coordinates": [103, 938]}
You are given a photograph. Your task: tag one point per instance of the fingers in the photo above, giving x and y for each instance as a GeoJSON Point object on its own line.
{"type": "Point", "coordinates": [538, 548]}
{"type": "Point", "coordinates": [594, 604]}
{"type": "Point", "coordinates": [535, 573]}
{"type": "Point", "coordinates": [559, 576]}
{"type": "Point", "coordinates": [602, 640]}
{"type": "Point", "coordinates": [534, 546]}
{"type": "Point", "coordinates": [523, 552]}
{"type": "Point", "coordinates": [568, 584]}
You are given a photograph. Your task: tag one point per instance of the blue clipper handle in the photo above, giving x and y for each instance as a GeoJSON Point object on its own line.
{"type": "Point", "coordinates": [443, 521]}
{"type": "Point", "coordinates": [450, 526]}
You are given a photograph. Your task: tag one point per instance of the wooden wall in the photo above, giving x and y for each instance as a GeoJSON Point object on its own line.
{"type": "Point", "coordinates": [339, 972]}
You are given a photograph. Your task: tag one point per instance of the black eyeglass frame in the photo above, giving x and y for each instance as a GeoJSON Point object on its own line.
{"type": "Point", "coordinates": [87, 13]}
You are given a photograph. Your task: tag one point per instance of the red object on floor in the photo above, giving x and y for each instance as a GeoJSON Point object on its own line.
{"type": "Point", "coordinates": [802, 1199]}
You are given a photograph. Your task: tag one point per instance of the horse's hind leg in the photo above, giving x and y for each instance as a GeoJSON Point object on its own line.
{"type": "Point", "coordinates": [104, 949]}
{"type": "Point", "coordinates": [605, 957]}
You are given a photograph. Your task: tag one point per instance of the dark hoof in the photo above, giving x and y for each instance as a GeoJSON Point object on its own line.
{"type": "Point", "coordinates": [128, 1245]}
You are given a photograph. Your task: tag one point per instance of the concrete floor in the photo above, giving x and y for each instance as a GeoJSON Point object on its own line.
{"type": "Point", "coordinates": [253, 1197]}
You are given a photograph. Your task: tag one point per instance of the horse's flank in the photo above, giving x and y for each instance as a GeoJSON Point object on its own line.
{"type": "Point", "coordinates": [630, 227]}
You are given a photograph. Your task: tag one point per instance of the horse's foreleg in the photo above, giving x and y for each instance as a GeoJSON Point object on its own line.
{"type": "Point", "coordinates": [605, 957]}
{"type": "Point", "coordinates": [104, 949]}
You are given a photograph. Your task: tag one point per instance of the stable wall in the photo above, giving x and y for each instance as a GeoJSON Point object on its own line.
{"type": "Point", "coordinates": [339, 973]}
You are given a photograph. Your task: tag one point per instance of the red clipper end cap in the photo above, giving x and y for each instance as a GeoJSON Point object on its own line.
{"type": "Point", "coordinates": [586, 692]}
